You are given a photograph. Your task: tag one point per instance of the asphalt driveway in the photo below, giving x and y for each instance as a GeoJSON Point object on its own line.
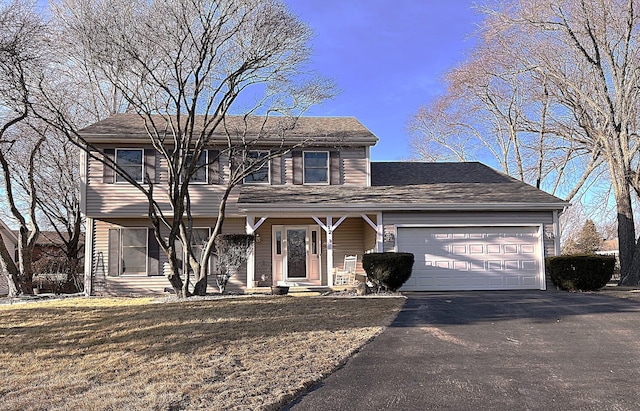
{"type": "Point", "coordinates": [523, 350]}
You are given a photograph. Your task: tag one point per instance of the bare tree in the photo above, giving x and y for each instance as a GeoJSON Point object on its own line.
{"type": "Point", "coordinates": [23, 48]}
{"type": "Point", "coordinates": [579, 61]}
{"type": "Point", "coordinates": [183, 67]}
{"type": "Point", "coordinates": [493, 111]}
{"type": "Point", "coordinates": [58, 199]}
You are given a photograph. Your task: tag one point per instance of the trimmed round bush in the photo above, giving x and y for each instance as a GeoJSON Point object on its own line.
{"type": "Point", "coordinates": [580, 272]}
{"type": "Point", "coordinates": [388, 270]}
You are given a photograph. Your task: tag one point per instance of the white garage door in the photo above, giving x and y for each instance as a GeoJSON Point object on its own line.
{"type": "Point", "coordinates": [472, 258]}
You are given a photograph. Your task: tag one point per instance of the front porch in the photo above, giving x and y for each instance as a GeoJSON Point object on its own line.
{"type": "Point", "coordinates": [308, 251]}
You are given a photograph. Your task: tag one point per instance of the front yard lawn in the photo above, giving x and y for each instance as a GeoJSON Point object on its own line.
{"type": "Point", "coordinates": [117, 354]}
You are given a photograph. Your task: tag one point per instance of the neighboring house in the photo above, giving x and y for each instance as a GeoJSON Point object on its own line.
{"type": "Point", "coordinates": [49, 244]}
{"type": "Point", "coordinates": [611, 247]}
{"type": "Point", "coordinates": [11, 242]}
{"type": "Point", "coordinates": [470, 227]}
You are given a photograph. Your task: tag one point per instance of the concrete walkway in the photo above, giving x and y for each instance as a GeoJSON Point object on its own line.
{"type": "Point", "coordinates": [522, 350]}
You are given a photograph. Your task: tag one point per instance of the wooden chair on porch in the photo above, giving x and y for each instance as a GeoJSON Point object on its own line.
{"type": "Point", "coordinates": [347, 276]}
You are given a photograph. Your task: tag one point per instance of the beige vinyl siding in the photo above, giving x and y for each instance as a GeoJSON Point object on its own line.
{"type": "Point", "coordinates": [476, 218]}
{"type": "Point", "coordinates": [549, 241]}
{"type": "Point", "coordinates": [145, 285]}
{"type": "Point", "coordinates": [123, 285]}
{"type": "Point", "coordinates": [370, 236]}
{"type": "Point", "coordinates": [348, 239]}
{"type": "Point", "coordinates": [262, 256]}
{"type": "Point", "coordinates": [124, 200]}
{"type": "Point", "coordinates": [287, 168]}
{"type": "Point", "coordinates": [354, 166]}
{"type": "Point", "coordinates": [104, 200]}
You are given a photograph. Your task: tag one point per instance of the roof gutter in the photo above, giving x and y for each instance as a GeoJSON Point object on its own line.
{"type": "Point", "coordinates": [405, 207]}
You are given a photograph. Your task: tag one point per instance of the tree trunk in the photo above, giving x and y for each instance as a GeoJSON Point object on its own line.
{"type": "Point", "coordinates": [25, 276]}
{"type": "Point", "coordinates": [176, 282]}
{"type": "Point", "coordinates": [12, 283]}
{"type": "Point", "coordinates": [629, 274]}
{"type": "Point", "coordinates": [201, 286]}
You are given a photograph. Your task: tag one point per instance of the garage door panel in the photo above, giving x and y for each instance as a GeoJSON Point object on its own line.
{"type": "Point", "coordinates": [472, 258]}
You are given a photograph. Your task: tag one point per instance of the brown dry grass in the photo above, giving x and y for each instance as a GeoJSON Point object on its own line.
{"type": "Point", "coordinates": [231, 354]}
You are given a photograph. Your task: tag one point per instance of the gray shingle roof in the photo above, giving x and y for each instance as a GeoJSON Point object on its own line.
{"type": "Point", "coordinates": [329, 130]}
{"type": "Point", "coordinates": [413, 173]}
{"type": "Point", "coordinates": [410, 185]}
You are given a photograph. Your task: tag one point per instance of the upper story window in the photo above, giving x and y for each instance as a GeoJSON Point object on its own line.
{"type": "Point", "coordinates": [200, 174]}
{"type": "Point", "coordinates": [316, 167]}
{"type": "Point", "coordinates": [131, 162]}
{"type": "Point", "coordinates": [261, 173]}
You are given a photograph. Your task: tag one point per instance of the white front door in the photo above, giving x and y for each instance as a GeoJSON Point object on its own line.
{"type": "Point", "coordinates": [296, 253]}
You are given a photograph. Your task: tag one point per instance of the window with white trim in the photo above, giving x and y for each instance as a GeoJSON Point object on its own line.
{"type": "Point", "coordinates": [316, 167]}
{"type": "Point", "coordinates": [131, 162]}
{"type": "Point", "coordinates": [259, 175]}
{"type": "Point", "coordinates": [133, 251]}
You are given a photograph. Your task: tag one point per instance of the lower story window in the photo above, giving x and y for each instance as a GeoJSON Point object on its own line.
{"type": "Point", "coordinates": [133, 244]}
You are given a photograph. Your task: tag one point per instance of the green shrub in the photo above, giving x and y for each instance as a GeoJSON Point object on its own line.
{"type": "Point", "coordinates": [388, 270]}
{"type": "Point", "coordinates": [580, 272]}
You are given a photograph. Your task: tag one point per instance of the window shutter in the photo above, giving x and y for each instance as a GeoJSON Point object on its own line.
{"type": "Point", "coordinates": [150, 165]}
{"type": "Point", "coordinates": [276, 170]}
{"type": "Point", "coordinates": [213, 158]}
{"type": "Point", "coordinates": [108, 175]}
{"type": "Point", "coordinates": [153, 250]}
{"type": "Point", "coordinates": [114, 252]}
{"type": "Point", "coordinates": [296, 157]}
{"type": "Point", "coordinates": [334, 168]}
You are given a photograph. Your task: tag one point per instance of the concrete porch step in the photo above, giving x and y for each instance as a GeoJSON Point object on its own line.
{"type": "Point", "coordinates": [300, 289]}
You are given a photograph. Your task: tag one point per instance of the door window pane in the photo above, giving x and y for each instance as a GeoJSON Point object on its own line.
{"type": "Point", "coordinates": [314, 242]}
{"type": "Point", "coordinates": [278, 243]}
{"type": "Point", "coordinates": [296, 253]}
{"type": "Point", "coordinates": [130, 161]}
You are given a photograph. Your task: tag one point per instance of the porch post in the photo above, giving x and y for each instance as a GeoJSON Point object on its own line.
{"type": "Point", "coordinates": [330, 251]}
{"type": "Point", "coordinates": [251, 256]}
{"type": "Point", "coordinates": [379, 230]}
{"type": "Point", "coordinates": [556, 232]}
{"type": "Point", "coordinates": [380, 234]}
{"type": "Point", "coordinates": [88, 257]}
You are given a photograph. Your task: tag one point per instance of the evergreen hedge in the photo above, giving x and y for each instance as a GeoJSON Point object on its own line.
{"type": "Point", "coordinates": [388, 270]}
{"type": "Point", "coordinates": [580, 272]}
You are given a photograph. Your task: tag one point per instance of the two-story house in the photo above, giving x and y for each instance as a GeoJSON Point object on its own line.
{"type": "Point", "coordinates": [470, 227]}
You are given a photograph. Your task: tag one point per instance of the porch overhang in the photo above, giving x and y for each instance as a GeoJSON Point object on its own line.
{"type": "Point", "coordinates": [338, 208]}
{"type": "Point", "coordinates": [425, 197]}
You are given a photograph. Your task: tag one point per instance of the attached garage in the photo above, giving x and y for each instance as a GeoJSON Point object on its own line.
{"type": "Point", "coordinates": [473, 258]}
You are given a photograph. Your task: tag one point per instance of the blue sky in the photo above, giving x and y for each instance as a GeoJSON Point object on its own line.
{"type": "Point", "coordinates": [387, 57]}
